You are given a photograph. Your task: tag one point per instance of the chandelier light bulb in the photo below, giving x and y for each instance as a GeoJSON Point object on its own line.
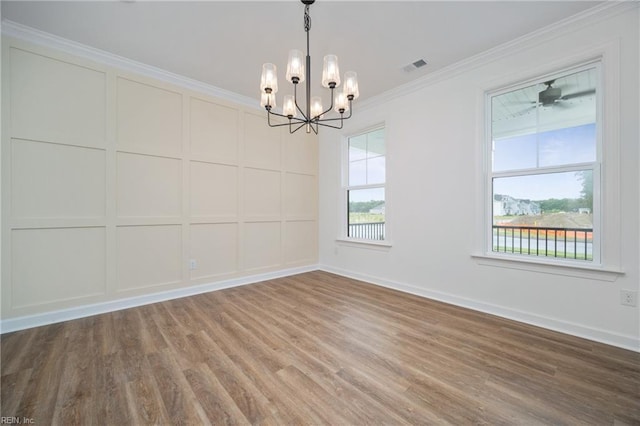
{"type": "Point", "coordinates": [268, 100]}
{"type": "Point", "coordinates": [295, 66]}
{"type": "Point", "coordinates": [289, 106]}
{"type": "Point", "coordinates": [341, 103]}
{"type": "Point", "coordinates": [350, 86]}
{"type": "Point", "coordinates": [316, 107]}
{"type": "Point", "coordinates": [269, 79]}
{"type": "Point", "coordinates": [330, 71]}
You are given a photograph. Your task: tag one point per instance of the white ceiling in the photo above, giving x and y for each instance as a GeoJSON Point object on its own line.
{"type": "Point", "coordinates": [225, 43]}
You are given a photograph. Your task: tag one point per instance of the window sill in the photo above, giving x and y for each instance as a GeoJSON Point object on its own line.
{"type": "Point", "coordinates": [365, 244]}
{"type": "Point", "coordinates": [555, 268]}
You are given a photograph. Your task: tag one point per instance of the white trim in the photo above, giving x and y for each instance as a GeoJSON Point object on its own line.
{"type": "Point", "coordinates": [573, 23]}
{"type": "Point", "coordinates": [588, 17]}
{"type": "Point", "coordinates": [603, 336]}
{"type": "Point", "coordinates": [548, 266]}
{"type": "Point", "coordinates": [367, 244]}
{"type": "Point", "coordinates": [41, 38]}
{"type": "Point", "coordinates": [30, 321]}
{"type": "Point", "coordinates": [345, 188]}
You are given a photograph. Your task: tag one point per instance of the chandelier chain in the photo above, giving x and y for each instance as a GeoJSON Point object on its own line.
{"type": "Point", "coordinates": [307, 19]}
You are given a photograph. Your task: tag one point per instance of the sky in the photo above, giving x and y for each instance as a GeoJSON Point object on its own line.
{"type": "Point", "coordinates": [573, 145]}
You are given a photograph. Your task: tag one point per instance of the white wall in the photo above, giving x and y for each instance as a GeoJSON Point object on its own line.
{"type": "Point", "coordinates": [435, 187]}
{"type": "Point", "coordinates": [113, 182]}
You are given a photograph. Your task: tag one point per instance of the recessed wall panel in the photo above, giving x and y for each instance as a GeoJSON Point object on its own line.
{"type": "Point", "coordinates": [300, 242]}
{"type": "Point", "coordinates": [148, 256]}
{"type": "Point", "coordinates": [261, 143]}
{"type": "Point", "coordinates": [301, 153]}
{"type": "Point", "coordinates": [300, 196]}
{"type": "Point", "coordinates": [214, 132]}
{"type": "Point", "coordinates": [56, 181]}
{"type": "Point", "coordinates": [214, 247]}
{"type": "Point", "coordinates": [262, 245]}
{"type": "Point", "coordinates": [56, 101]}
{"type": "Point", "coordinates": [55, 265]}
{"type": "Point", "coordinates": [261, 193]}
{"type": "Point", "coordinates": [214, 190]}
{"type": "Point", "coordinates": [148, 186]}
{"type": "Point", "coordinates": [149, 119]}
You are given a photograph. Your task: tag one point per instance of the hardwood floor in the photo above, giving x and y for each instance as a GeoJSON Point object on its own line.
{"type": "Point", "coordinates": [312, 349]}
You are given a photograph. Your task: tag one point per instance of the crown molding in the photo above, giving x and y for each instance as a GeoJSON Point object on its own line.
{"type": "Point", "coordinates": [44, 39]}
{"type": "Point", "coordinates": [591, 16]}
{"type": "Point", "coordinates": [594, 15]}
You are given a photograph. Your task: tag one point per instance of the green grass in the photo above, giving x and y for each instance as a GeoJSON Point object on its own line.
{"type": "Point", "coordinates": [366, 217]}
{"type": "Point", "coordinates": [543, 253]}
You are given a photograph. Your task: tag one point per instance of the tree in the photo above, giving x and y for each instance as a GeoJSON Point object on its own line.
{"type": "Point", "coordinates": [586, 177]}
{"type": "Point", "coordinates": [364, 206]}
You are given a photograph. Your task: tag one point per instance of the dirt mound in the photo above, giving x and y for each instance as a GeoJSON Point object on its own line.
{"type": "Point", "coordinates": [552, 220]}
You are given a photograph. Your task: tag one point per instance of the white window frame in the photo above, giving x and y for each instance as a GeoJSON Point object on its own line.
{"type": "Point", "coordinates": [345, 188]}
{"type": "Point", "coordinates": [594, 166]}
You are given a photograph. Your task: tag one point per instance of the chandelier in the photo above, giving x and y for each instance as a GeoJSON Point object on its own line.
{"type": "Point", "coordinates": [298, 71]}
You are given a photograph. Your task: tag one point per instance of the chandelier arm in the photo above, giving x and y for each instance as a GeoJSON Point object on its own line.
{"type": "Point", "coordinates": [297, 128]}
{"type": "Point", "coordinates": [331, 119]}
{"type": "Point", "coordinates": [329, 109]}
{"type": "Point", "coordinates": [269, 114]}
{"type": "Point", "coordinates": [350, 109]}
{"type": "Point", "coordinates": [329, 125]}
{"type": "Point", "coordinates": [342, 117]}
{"type": "Point", "coordinates": [276, 125]}
{"type": "Point", "coordinates": [299, 120]}
{"type": "Point", "coordinates": [295, 100]}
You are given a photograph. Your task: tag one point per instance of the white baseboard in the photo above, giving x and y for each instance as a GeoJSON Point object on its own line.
{"type": "Point", "coordinates": [602, 336]}
{"type": "Point", "coordinates": [30, 321]}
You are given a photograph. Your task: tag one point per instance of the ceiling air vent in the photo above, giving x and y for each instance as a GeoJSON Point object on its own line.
{"type": "Point", "coordinates": [414, 65]}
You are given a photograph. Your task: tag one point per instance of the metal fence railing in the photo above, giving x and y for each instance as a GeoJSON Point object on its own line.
{"type": "Point", "coordinates": [567, 243]}
{"type": "Point", "coordinates": [366, 231]}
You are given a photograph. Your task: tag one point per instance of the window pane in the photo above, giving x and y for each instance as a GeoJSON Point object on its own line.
{"type": "Point", "coordinates": [570, 145]}
{"type": "Point", "coordinates": [515, 153]}
{"type": "Point", "coordinates": [375, 143]}
{"type": "Point", "coordinates": [545, 215]}
{"type": "Point", "coordinates": [358, 172]}
{"type": "Point", "coordinates": [376, 170]}
{"type": "Point", "coordinates": [366, 214]}
{"type": "Point", "coordinates": [547, 124]}
{"type": "Point", "coordinates": [358, 148]}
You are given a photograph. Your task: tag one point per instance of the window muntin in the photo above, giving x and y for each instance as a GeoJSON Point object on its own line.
{"type": "Point", "coordinates": [365, 189]}
{"type": "Point", "coordinates": [367, 159]}
{"type": "Point", "coordinates": [545, 168]}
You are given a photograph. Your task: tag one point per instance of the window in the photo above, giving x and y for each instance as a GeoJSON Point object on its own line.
{"type": "Point", "coordinates": [365, 186]}
{"type": "Point", "coordinates": [544, 177]}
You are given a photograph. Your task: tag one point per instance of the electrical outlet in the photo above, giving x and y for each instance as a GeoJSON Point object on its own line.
{"type": "Point", "coordinates": [193, 264]}
{"type": "Point", "coordinates": [628, 297]}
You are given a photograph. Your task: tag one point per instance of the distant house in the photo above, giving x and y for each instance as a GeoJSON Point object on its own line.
{"type": "Point", "coordinates": [377, 209]}
{"type": "Point", "coordinates": [506, 205]}
{"type": "Point", "coordinates": [584, 210]}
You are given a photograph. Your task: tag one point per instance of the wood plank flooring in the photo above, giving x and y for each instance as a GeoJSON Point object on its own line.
{"type": "Point", "coordinates": [314, 348]}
